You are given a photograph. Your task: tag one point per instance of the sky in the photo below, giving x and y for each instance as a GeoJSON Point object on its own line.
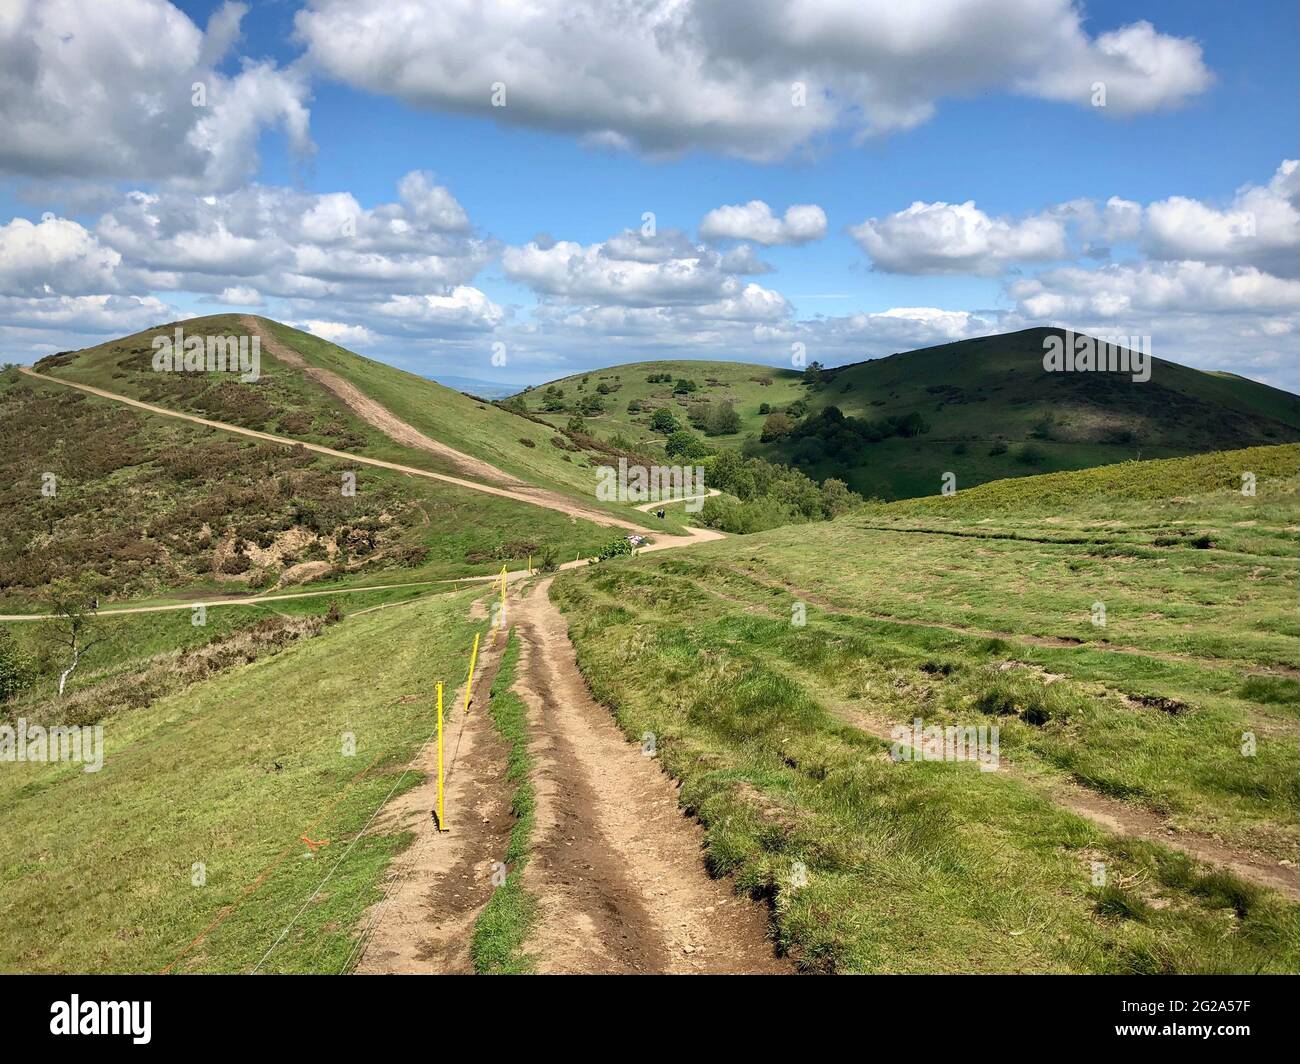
{"type": "Point", "coordinates": [510, 192]}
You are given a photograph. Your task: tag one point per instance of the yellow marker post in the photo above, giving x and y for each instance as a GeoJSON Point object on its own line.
{"type": "Point", "coordinates": [469, 682]}
{"type": "Point", "coordinates": [442, 820]}
{"type": "Point", "coordinates": [530, 565]}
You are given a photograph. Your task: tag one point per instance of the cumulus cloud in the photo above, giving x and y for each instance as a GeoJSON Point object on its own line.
{"type": "Point", "coordinates": [57, 250]}
{"type": "Point", "coordinates": [399, 269]}
{"type": "Point", "coordinates": [755, 221]}
{"type": "Point", "coordinates": [1261, 226]}
{"type": "Point", "coordinates": [1134, 291]}
{"type": "Point", "coordinates": [957, 238]}
{"type": "Point", "coordinates": [337, 332]}
{"type": "Point", "coordinates": [131, 90]}
{"type": "Point", "coordinates": [291, 244]}
{"type": "Point", "coordinates": [631, 270]}
{"type": "Point", "coordinates": [757, 80]}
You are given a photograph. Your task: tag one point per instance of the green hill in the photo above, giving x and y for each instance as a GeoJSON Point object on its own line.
{"type": "Point", "coordinates": [982, 409]}
{"type": "Point", "coordinates": [774, 668]}
{"type": "Point", "coordinates": [626, 396]}
{"type": "Point", "coordinates": [286, 401]}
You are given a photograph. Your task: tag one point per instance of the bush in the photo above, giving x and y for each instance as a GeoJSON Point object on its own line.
{"type": "Point", "coordinates": [17, 669]}
{"type": "Point", "coordinates": [665, 421]}
{"type": "Point", "coordinates": [722, 420]}
{"type": "Point", "coordinates": [685, 444]}
{"type": "Point", "coordinates": [614, 549]}
{"type": "Point", "coordinates": [776, 427]}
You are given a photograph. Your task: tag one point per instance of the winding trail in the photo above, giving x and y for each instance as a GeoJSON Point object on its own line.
{"type": "Point", "coordinates": [543, 497]}
{"type": "Point", "coordinates": [617, 868]}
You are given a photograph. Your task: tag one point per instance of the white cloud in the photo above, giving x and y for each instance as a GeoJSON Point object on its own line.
{"type": "Point", "coordinates": [54, 255]}
{"type": "Point", "coordinates": [1140, 70]}
{"type": "Point", "coordinates": [1130, 293]}
{"type": "Point", "coordinates": [634, 271]}
{"type": "Point", "coordinates": [337, 332]}
{"type": "Point", "coordinates": [957, 238]}
{"type": "Point", "coordinates": [758, 79]}
{"type": "Point", "coordinates": [1261, 226]}
{"type": "Point", "coordinates": [93, 90]}
{"type": "Point", "coordinates": [755, 221]}
{"type": "Point", "coordinates": [239, 296]}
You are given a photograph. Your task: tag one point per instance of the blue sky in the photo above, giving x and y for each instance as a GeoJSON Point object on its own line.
{"type": "Point", "coordinates": [1202, 105]}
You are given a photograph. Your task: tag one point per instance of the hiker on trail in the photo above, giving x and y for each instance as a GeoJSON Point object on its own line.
{"type": "Point", "coordinates": [660, 513]}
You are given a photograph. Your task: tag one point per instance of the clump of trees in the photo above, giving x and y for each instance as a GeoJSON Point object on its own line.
{"type": "Point", "coordinates": [769, 494]}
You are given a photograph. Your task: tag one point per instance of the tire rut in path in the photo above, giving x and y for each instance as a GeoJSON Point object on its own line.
{"type": "Point", "coordinates": [617, 868]}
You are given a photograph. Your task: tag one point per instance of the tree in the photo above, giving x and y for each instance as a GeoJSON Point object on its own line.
{"type": "Point", "coordinates": [74, 604]}
{"type": "Point", "coordinates": [664, 420]}
{"type": "Point", "coordinates": [776, 426]}
{"type": "Point", "coordinates": [683, 386]}
{"type": "Point", "coordinates": [685, 444]}
{"type": "Point", "coordinates": [722, 420]}
{"type": "Point", "coordinates": [837, 498]}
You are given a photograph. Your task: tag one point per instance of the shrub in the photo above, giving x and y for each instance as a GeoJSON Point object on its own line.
{"type": "Point", "coordinates": [665, 421]}
{"type": "Point", "coordinates": [16, 667]}
{"type": "Point", "coordinates": [685, 444]}
{"type": "Point", "coordinates": [776, 426]}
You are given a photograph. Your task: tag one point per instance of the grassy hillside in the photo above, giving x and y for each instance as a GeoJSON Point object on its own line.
{"type": "Point", "coordinates": [980, 409]}
{"type": "Point", "coordinates": [228, 773]}
{"type": "Point", "coordinates": [285, 402]}
{"type": "Point", "coordinates": [746, 387]}
{"type": "Point", "coordinates": [155, 507]}
{"type": "Point", "coordinates": [984, 616]}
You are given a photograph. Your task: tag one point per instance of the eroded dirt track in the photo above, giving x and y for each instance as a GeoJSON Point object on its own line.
{"type": "Point", "coordinates": [377, 415]}
{"type": "Point", "coordinates": [617, 868]}
{"type": "Point", "coordinates": [436, 887]}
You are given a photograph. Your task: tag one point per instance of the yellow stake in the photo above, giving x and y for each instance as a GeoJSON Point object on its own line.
{"type": "Point", "coordinates": [530, 565]}
{"type": "Point", "coordinates": [442, 820]}
{"type": "Point", "coordinates": [469, 683]}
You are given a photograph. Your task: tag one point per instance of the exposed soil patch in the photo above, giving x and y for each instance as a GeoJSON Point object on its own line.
{"type": "Point", "coordinates": [435, 888]}
{"type": "Point", "coordinates": [618, 869]}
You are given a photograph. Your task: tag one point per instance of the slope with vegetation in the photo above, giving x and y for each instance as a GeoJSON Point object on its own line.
{"type": "Point", "coordinates": [980, 409]}
{"type": "Point", "coordinates": [285, 400]}
{"type": "Point", "coordinates": [192, 827]}
{"type": "Point", "coordinates": [772, 670]}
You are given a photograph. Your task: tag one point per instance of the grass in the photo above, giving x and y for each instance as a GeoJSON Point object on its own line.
{"type": "Point", "coordinates": [229, 773]}
{"type": "Point", "coordinates": [504, 924]}
{"type": "Point", "coordinates": [738, 383]}
{"type": "Point", "coordinates": [285, 402]}
{"type": "Point", "coordinates": [157, 506]}
{"type": "Point", "coordinates": [991, 413]}
{"type": "Point", "coordinates": [935, 866]}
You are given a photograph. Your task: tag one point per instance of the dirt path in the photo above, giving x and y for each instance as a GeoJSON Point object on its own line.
{"type": "Point", "coordinates": [436, 887]}
{"type": "Point", "coordinates": [617, 868]}
{"type": "Point", "coordinates": [252, 600]}
{"type": "Point", "coordinates": [1118, 817]}
{"type": "Point", "coordinates": [646, 507]}
{"type": "Point", "coordinates": [379, 416]}
{"type": "Point", "coordinates": [549, 500]}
